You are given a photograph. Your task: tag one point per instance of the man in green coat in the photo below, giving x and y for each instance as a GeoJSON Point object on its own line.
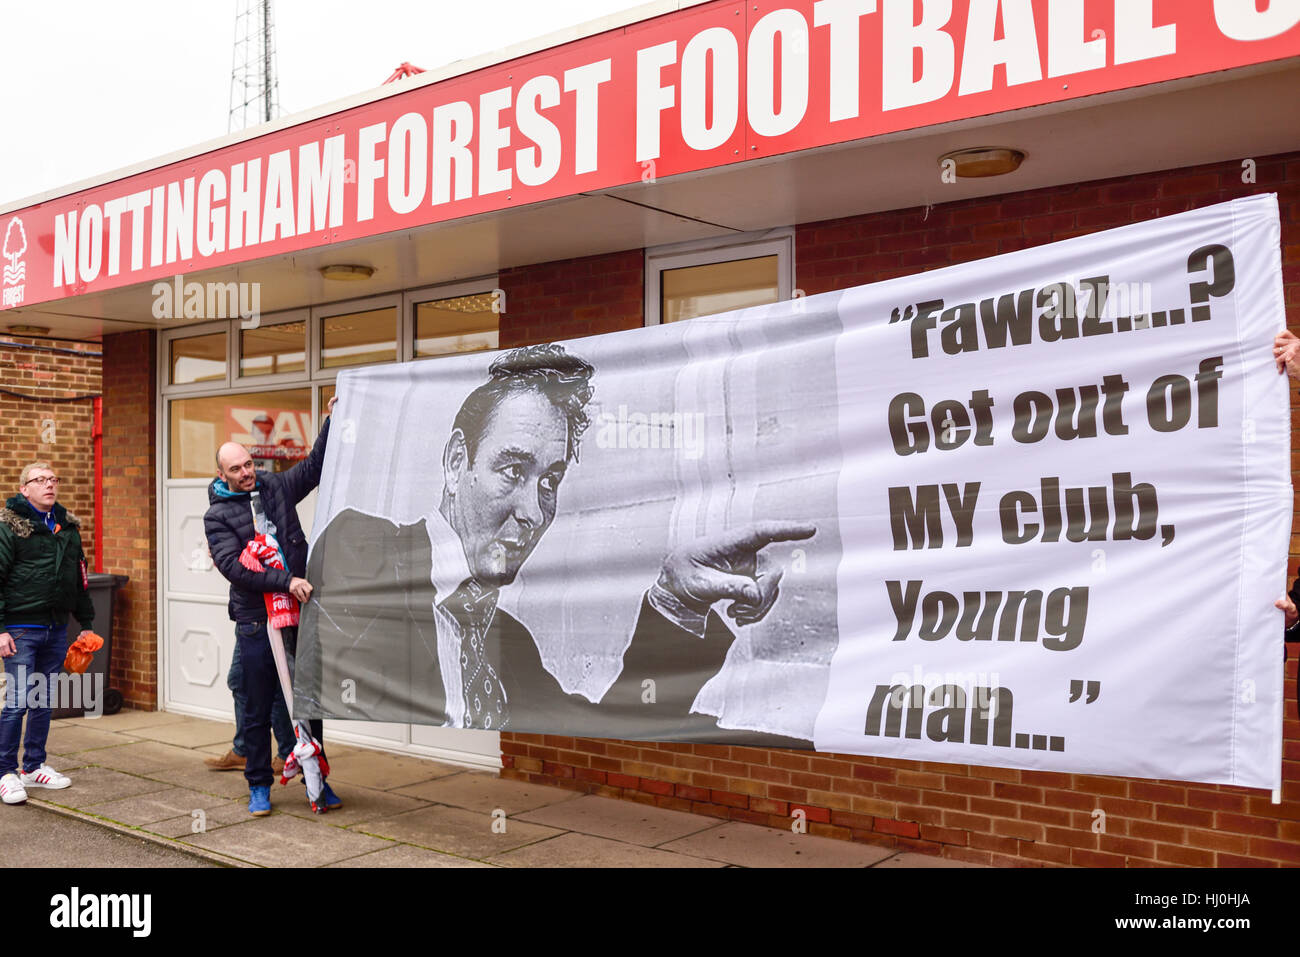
{"type": "Point", "coordinates": [42, 578]}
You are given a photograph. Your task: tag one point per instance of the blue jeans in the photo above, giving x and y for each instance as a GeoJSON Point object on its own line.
{"type": "Point", "coordinates": [261, 684]}
{"type": "Point", "coordinates": [285, 738]}
{"type": "Point", "coordinates": [40, 651]}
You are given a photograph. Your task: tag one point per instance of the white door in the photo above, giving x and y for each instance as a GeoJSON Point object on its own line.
{"type": "Point", "coordinates": [198, 636]}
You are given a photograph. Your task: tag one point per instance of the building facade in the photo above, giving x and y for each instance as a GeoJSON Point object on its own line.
{"type": "Point", "coordinates": [650, 213]}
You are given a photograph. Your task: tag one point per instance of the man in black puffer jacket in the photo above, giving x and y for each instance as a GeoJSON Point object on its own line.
{"type": "Point", "coordinates": [244, 502]}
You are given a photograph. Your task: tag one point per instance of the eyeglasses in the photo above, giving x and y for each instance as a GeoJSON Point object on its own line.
{"type": "Point", "coordinates": [43, 480]}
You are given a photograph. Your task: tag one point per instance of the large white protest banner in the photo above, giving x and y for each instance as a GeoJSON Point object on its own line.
{"type": "Point", "coordinates": [1030, 512]}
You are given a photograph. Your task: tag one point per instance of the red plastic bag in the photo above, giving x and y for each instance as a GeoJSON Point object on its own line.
{"type": "Point", "coordinates": [81, 651]}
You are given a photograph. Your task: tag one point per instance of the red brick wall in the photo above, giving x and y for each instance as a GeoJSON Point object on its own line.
{"type": "Point", "coordinates": [50, 369]}
{"type": "Point", "coordinates": [984, 815]}
{"type": "Point", "coordinates": [130, 519]}
{"type": "Point", "coordinates": [573, 298]}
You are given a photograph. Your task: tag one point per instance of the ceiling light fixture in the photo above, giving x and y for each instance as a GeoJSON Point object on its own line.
{"type": "Point", "coordinates": [982, 161]}
{"type": "Point", "coordinates": [30, 330]}
{"type": "Point", "coordinates": [349, 273]}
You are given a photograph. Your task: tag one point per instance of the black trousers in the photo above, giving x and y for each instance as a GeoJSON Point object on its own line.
{"type": "Point", "coordinates": [260, 685]}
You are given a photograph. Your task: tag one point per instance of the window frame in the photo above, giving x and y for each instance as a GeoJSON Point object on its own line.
{"type": "Point", "coordinates": [319, 314]}
{"type": "Point", "coordinates": [312, 377]}
{"type": "Point", "coordinates": [240, 381]}
{"type": "Point", "coordinates": [415, 297]}
{"type": "Point", "coordinates": [165, 340]}
{"type": "Point", "coordinates": [722, 249]}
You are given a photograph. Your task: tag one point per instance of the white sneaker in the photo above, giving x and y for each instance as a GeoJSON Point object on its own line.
{"type": "Point", "coordinates": [12, 790]}
{"type": "Point", "coordinates": [45, 777]}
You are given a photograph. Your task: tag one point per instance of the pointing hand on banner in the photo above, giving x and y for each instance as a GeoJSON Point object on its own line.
{"type": "Point", "coordinates": [1286, 352]}
{"type": "Point", "coordinates": [768, 578]}
{"type": "Point", "coordinates": [727, 566]}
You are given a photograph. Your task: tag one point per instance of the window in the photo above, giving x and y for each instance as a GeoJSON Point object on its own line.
{"type": "Point", "coordinates": [359, 338]}
{"type": "Point", "coordinates": [267, 387]}
{"type": "Point", "coordinates": [276, 428]}
{"type": "Point", "coordinates": [690, 291]}
{"type": "Point", "coordinates": [198, 359]}
{"type": "Point", "coordinates": [459, 324]}
{"type": "Point", "coordinates": [273, 349]}
{"type": "Point", "coordinates": [693, 279]}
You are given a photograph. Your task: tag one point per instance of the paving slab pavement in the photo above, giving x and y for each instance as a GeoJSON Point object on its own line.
{"type": "Point", "coordinates": [189, 733]}
{"type": "Point", "coordinates": [584, 850]}
{"type": "Point", "coordinates": [142, 773]}
{"type": "Point", "coordinates": [227, 784]}
{"type": "Point", "coordinates": [95, 785]}
{"type": "Point", "coordinates": [123, 721]}
{"type": "Point", "coordinates": [473, 834]}
{"type": "Point", "coordinates": [284, 840]}
{"type": "Point", "coordinates": [635, 824]}
{"type": "Point", "coordinates": [378, 769]}
{"type": "Point", "coordinates": [404, 855]}
{"type": "Point", "coordinates": [360, 804]}
{"type": "Point", "coordinates": [200, 820]}
{"type": "Point", "coordinates": [141, 757]}
{"type": "Point", "coordinates": [74, 740]}
{"type": "Point", "coordinates": [749, 845]}
{"type": "Point", "coordinates": [482, 789]}
{"type": "Point", "coordinates": [155, 806]}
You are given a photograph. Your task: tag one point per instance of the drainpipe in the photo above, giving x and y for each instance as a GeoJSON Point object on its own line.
{"type": "Point", "coordinates": [97, 437]}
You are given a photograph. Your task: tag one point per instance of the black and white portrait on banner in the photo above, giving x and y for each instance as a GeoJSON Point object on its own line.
{"type": "Point", "coordinates": [627, 536]}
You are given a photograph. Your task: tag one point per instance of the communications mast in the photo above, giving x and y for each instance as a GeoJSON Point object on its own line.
{"type": "Point", "coordinates": [254, 89]}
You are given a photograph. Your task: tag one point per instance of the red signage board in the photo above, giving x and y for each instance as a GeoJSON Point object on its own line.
{"type": "Point", "coordinates": [715, 84]}
{"type": "Point", "coordinates": [270, 433]}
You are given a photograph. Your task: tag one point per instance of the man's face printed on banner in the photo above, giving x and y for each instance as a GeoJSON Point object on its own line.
{"type": "Point", "coordinates": [503, 499]}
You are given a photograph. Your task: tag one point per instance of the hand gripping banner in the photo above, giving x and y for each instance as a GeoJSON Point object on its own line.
{"type": "Point", "coordinates": [1030, 512]}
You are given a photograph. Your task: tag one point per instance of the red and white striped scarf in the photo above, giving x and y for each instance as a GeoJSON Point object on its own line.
{"type": "Point", "coordinates": [261, 553]}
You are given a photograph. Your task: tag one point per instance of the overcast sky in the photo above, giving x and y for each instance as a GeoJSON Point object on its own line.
{"type": "Point", "coordinates": [89, 86]}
